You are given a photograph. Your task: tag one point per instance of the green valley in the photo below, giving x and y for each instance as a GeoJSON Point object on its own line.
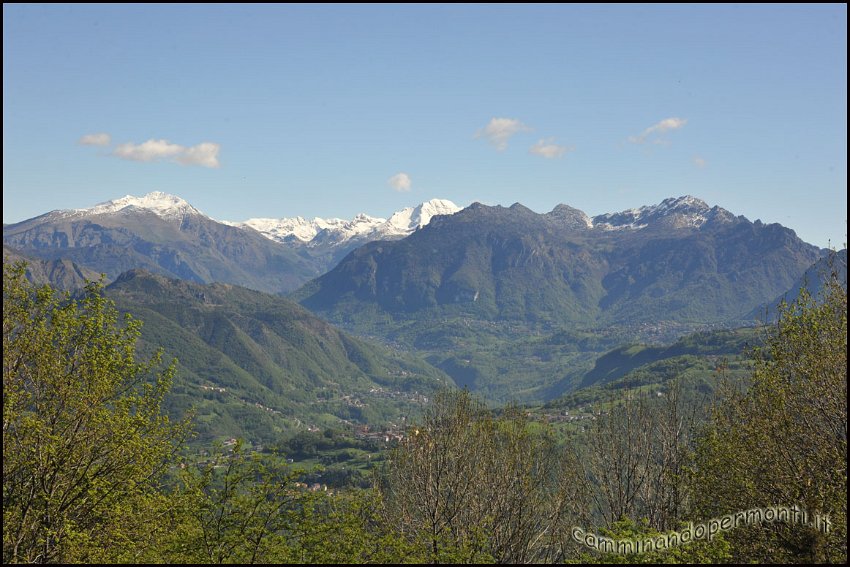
{"type": "Point", "coordinates": [255, 365]}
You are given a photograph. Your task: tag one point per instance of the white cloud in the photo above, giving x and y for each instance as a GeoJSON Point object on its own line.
{"type": "Point", "coordinates": [546, 147]}
{"type": "Point", "coordinates": [151, 150]}
{"type": "Point", "coordinates": [700, 162]}
{"type": "Point", "coordinates": [499, 130]}
{"type": "Point", "coordinates": [204, 154]}
{"type": "Point", "coordinates": [665, 125]}
{"type": "Point", "coordinates": [400, 182]}
{"type": "Point", "coordinates": [101, 139]}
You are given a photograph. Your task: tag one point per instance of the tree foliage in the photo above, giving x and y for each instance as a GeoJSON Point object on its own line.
{"type": "Point", "coordinates": [84, 440]}
{"type": "Point", "coordinates": [236, 509]}
{"type": "Point", "coordinates": [784, 440]}
{"type": "Point", "coordinates": [246, 508]}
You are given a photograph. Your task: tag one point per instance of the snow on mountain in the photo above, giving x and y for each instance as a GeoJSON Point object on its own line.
{"type": "Point", "coordinates": [678, 212]}
{"type": "Point", "coordinates": [167, 206]}
{"type": "Point", "coordinates": [316, 232]}
{"type": "Point", "coordinates": [280, 229]}
{"type": "Point", "coordinates": [307, 231]}
{"type": "Point", "coordinates": [336, 231]}
{"type": "Point", "coordinates": [409, 219]}
{"type": "Point", "coordinates": [674, 212]}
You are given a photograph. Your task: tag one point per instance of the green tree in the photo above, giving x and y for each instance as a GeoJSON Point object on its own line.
{"type": "Point", "coordinates": [344, 527]}
{"type": "Point", "coordinates": [237, 509]}
{"type": "Point", "coordinates": [84, 440]}
{"type": "Point", "coordinates": [784, 440]}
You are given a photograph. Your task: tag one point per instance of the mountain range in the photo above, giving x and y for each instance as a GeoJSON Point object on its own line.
{"type": "Point", "coordinates": [165, 234]}
{"type": "Point", "coordinates": [362, 228]}
{"type": "Point", "coordinates": [680, 260]}
{"type": "Point", "coordinates": [518, 305]}
{"type": "Point", "coordinates": [509, 302]}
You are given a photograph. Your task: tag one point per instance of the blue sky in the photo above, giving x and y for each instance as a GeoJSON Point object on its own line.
{"type": "Point", "coordinates": [249, 111]}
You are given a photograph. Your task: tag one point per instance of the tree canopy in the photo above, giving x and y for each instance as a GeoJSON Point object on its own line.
{"type": "Point", "coordinates": [84, 438]}
{"type": "Point", "coordinates": [783, 441]}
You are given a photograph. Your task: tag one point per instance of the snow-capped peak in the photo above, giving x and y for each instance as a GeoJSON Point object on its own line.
{"type": "Point", "coordinates": [409, 219]}
{"type": "Point", "coordinates": [159, 203]}
{"type": "Point", "coordinates": [680, 212]}
{"type": "Point", "coordinates": [335, 231]}
{"type": "Point", "coordinates": [287, 229]}
{"type": "Point", "coordinates": [281, 229]}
